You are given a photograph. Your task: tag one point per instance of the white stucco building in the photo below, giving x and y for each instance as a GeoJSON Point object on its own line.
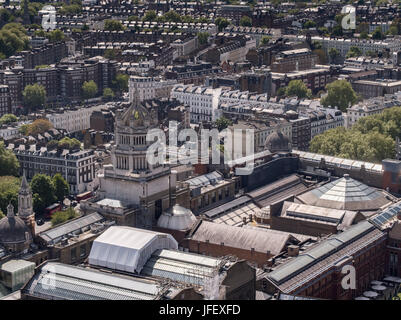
{"type": "Point", "coordinates": [74, 120]}
{"type": "Point", "coordinates": [203, 101]}
{"type": "Point", "coordinates": [149, 87]}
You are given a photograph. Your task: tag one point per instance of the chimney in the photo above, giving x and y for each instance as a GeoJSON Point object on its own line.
{"type": "Point", "coordinates": [293, 250]}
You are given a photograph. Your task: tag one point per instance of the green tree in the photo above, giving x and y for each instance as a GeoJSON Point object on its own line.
{"type": "Point", "coordinates": [108, 94]}
{"type": "Point", "coordinates": [43, 190]}
{"type": "Point", "coordinates": [309, 24]}
{"type": "Point", "coordinates": [264, 40]}
{"type": "Point", "coordinates": [9, 164]}
{"type": "Point", "coordinates": [245, 21]}
{"type": "Point", "coordinates": [34, 96]}
{"type": "Point", "coordinates": [378, 34]}
{"type": "Point", "coordinates": [52, 144]}
{"type": "Point", "coordinates": [354, 52]}
{"type": "Point", "coordinates": [353, 144]}
{"type": "Point", "coordinates": [8, 118]}
{"type": "Point", "coordinates": [150, 15]}
{"type": "Point", "coordinates": [89, 89]}
{"type": "Point", "coordinates": [68, 143]}
{"type": "Point", "coordinates": [172, 16]}
{"type": "Point", "coordinates": [55, 35]}
{"type": "Point", "coordinates": [222, 123]}
{"type": "Point", "coordinates": [281, 92]}
{"type": "Point", "coordinates": [71, 9]}
{"type": "Point", "coordinates": [364, 35]}
{"type": "Point", "coordinates": [121, 82]}
{"type": "Point", "coordinates": [63, 216]}
{"type": "Point", "coordinates": [110, 54]}
{"type": "Point", "coordinates": [113, 25]}
{"type": "Point", "coordinates": [334, 55]}
{"type": "Point", "coordinates": [221, 23]}
{"type": "Point", "coordinates": [13, 38]}
{"type": "Point", "coordinates": [61, 187]}
{"type": "Point", "coordinates": [297, 88]}
{"type": "Point", "coordinates": [203, 37]}
{"type": "Point", "coordinates": [339, 94]}
{"type": "Point", "coordinates": [9, 188]}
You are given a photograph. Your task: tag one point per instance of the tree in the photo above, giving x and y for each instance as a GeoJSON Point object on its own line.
{"type": "Point", "coordinates": [63, 216]}
{"type": "Point", "coordinates": [222, 123]}
{"type": "Point", "coordinates": [221, 23]}
{"type": "Point", "coordinates": [265, 40]}
{"type": "Point", "coordinates": [89, 89]}
{"type": "Point", "coordinates": [245, 21]}
{"type": "Point", "coordinates": [71, 9]}
{"type": "Point", "coordinates": [55, 35]}
{"type": "Point", "coordinates": [9, 164]}
{"type": "Point", "coordinates": [354, 144]}
{"type": "Point", "coordinates": [354, 52]}
{"type": "Point", "coordinates": [52, 144]}
{"type": "Point", "coordinates": [364, 35]}
{"type": "Point", "coordinates": [113, 25]}
{"type": "Point", "coordinates": [9, 188]}
{"type": "Point", "coordinates": [334, 55]}
{"type": "Point", "coordinates": [378, 34]}
{"type": "Point", "coordinates": [203, 37]}
{"type": "Point", "coordinates": [172, 16]}
{"type": "Point", "coordinates": [309, 24]}
{"type": "Point", "coordinates": [297, 88]}
{"type": "Point", "coordinates": [281, 92]}
{"type": "Point", "coordinates": [110, 54]}
{"type": "Point", "coordinates": [121, 82]}
{"type": "Point", "coordinates": [13, 38]}
{"type": "Point", "coordinates": [43, 191]}
{"type": "Point", "coordinates": [68, 143]}
{"type": "Point", "coordinates": [8, 118]}
{"type": "Point", "coordinates": [34, 95]}
{"type": "Point", "coordinates": [108, 94]}
{"type": "Point", "coordinates": [339, 94]}
{"type": "Point", "coordinates": [39, 126]}
{"type": "Point", "coordinates": [62, 188]}
{"type": "Point", "coordinates": [150, 15]}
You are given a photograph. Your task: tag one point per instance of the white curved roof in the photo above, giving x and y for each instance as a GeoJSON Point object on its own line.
{"type": "Point", "coordinates": [177, 218]}
{"type": "Point", "coordinates": [128, 249]}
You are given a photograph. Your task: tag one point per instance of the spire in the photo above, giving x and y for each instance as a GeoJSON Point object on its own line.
{"type": "Point", "coordinates": [27, 18]}
{"type": "Point", "coordinates": [10, 211]}
{"type": "Point", "coordinates": [24, 183]}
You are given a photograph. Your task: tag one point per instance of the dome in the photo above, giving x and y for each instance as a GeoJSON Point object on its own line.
{"type": "Point", "coordinates": [277, 142]}
{"type": "Point", "coordinates": [13, 230]}
{"type": "Point", "coordinates": [177, 218]}
{"type": "Point", "coordinates": [345, 194]}
{"type": "Point", "coordinates": [137, 116]}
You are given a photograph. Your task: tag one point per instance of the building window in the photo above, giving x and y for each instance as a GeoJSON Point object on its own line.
{"type": "Point", "coordinates": [73, 254]}
{"type": "Point", "coordinates": [83, 250]}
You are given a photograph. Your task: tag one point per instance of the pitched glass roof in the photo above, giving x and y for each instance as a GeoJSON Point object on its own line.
{"type": "Point", "coordinates": [324, 249]}
{"type": "Point", "coordinates": [64, 282]}
{"type": "Point", "coordinates": [381, 219]}
{"type": "Point", "coordinates": [56, 233]}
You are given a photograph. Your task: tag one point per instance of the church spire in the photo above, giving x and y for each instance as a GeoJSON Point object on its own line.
{"type": "Point", "coordinates": [27, 18]}
{"type": "Point", "coordinates": [25, 208]}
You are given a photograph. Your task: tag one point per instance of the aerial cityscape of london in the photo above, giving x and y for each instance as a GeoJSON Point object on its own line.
{"type": "Point", "coordinates": [203, 150]}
